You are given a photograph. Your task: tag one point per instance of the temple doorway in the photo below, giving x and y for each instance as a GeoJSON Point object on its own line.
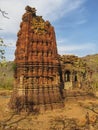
{"type": "Point", "coordinates": [67, 80]}
{"type": "Point", "coordinates": [67, 76]}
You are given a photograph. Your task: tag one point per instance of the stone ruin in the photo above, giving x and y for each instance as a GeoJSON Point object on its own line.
{"type": "Point", "coordinates": [42, 76]}
{"type": "Point", "coordinates": [75, 73]}
{"type": "Point", "coordinates": [37, 70]}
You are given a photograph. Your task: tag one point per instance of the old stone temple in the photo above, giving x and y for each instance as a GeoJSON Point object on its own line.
{"type": "Point", "coordinates": [41, 74]}
{"type": "Point", "coordinates": [37, 71]}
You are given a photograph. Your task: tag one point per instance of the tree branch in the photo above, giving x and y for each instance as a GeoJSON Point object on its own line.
{"type": "Point", "coordinates": [4, 14]}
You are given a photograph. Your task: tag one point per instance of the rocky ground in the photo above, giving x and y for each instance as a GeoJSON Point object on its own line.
{"type": "Point", "coordinates": [78, 114]}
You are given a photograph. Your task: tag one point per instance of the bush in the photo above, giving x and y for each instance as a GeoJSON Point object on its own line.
{"type": "Point", "coordinates": [6, 84]}
{"type": "Point", "coordinates": [6, 75]}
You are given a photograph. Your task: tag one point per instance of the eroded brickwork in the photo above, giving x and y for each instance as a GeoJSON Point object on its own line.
{"type": "Point", "coordinates": [37, 75]}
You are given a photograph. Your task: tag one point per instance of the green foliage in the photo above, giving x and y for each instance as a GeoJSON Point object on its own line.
{"type": "Point", "coordinates": [14, 66]}
{"type": "Point", "coordinates": [2, 51]}
{"type": "Point", "coordinates": [95, 86]}
{"type": "Point", "coordinates": [6, 75]}
{"type": "Point", "coordinates": [6, 84]}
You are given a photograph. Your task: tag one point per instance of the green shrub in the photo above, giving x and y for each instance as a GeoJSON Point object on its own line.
{"type": "Point", "coordinates": [6, 84]}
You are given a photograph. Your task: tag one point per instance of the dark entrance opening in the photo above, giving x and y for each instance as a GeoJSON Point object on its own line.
{"type": "Point", "coordinates": [67, 76]}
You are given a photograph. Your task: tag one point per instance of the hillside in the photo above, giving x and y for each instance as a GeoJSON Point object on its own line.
{"type": "Point", "coordinates": [92, 63]}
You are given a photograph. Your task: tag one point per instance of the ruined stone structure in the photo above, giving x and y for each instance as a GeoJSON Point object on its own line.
{"type": "Point", "coordinates": [37, 70]}
{"type": "Point", "coordinates": [75, 73]}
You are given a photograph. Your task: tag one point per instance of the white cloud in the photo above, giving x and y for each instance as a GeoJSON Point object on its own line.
{"type": "Point", "coordinates": [49, 9]}
{"type": "Point", "coordinates": [67, 47]}
{"type": "Point", "coordinates": [81, 22]}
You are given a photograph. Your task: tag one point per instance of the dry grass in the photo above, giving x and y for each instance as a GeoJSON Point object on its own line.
{"type": "Point", "coordinates": [71, 117]}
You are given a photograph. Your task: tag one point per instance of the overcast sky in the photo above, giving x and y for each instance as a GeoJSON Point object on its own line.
{"type": "Point", "coordinates": [75, 23]}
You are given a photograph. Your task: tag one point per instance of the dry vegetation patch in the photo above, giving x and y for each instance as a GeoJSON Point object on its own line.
{"type": "Point", "coordinates": [76, 115]}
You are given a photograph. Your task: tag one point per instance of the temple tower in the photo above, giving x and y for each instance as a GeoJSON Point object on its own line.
{"type": "Point", "coordinates": [37, 69]}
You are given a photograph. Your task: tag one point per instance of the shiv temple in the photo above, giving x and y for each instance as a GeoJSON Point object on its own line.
{"type": "Point", "coordinates": [42, 76]}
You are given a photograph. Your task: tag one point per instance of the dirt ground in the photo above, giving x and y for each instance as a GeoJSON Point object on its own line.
{"type": "Point", "coordinates": [78, 114]}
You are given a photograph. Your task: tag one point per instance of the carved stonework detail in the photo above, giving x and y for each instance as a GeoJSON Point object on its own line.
{"type": "Point", "coordinates": [37, 68]}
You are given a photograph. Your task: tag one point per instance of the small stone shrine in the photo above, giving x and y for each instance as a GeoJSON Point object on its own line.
{"type": "Point", "coordinates": [37, 72]}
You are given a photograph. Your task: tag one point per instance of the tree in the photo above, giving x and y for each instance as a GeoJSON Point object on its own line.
{"type": "Point", "coordinates": [2, 51]}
